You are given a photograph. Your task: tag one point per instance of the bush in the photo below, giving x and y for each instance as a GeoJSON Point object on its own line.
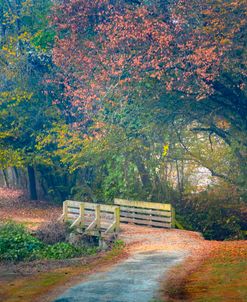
{"type": "Point", "coordinates": [61, 250]}
{"type": "Point", "coordinates": [118, 244]}
{"type": "Point", "coordinates": [217, 213]}
{"type": "Point", "coordinates": [16, 243]}
{"type": "Point", "coordinates": [64, 250]}
{"type": "Point", "coordinates": [52, 232]}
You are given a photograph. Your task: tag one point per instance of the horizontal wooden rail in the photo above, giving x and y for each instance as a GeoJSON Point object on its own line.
{"type": "Point", "coordinates": [91, 216]}
{"type": "Point", "coordinates": [146, 213]}
{"type": "Point", "coordinates": [143, 204]}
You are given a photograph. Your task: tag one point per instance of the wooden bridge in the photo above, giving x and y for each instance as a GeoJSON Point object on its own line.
{"type": "Point", "coordinates": [100, 219]}
{"type": "Point", "coordinates": [152, 214]}
{"type": "Point", "coordinates": [94, 219]}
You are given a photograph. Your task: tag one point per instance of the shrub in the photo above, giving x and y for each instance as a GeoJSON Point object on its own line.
{"type": "Point", "coordinates": [63, 250]}
{"type": "Point", "coordinates": [52, 232]}
{"type": "Point", "coordinates": [118, 244]}
{"type": "Point", "coordinates": [217, 213]}
{"type": "Point", "coordinates": [16, 243]}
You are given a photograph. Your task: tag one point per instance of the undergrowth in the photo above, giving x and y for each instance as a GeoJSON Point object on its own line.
{"type": "Point", "coordinates": [18, 244]}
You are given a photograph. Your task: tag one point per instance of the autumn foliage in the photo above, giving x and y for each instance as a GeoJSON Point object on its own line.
{"type": "Point", "coordinates": [102, 47]}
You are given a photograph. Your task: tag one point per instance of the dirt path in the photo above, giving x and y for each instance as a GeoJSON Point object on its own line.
{"type": "Point", "coordinates": [140, 239]}
{"type": "Point", "coordinates": [133, 280]}
{"type": "Point", "coordinates": [152, 252]}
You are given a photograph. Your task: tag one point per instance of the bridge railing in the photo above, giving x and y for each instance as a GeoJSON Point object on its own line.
{"type": "Point", "coordinates": [91, 216]}
{"type": "Point", "coordinates": [146, 213]}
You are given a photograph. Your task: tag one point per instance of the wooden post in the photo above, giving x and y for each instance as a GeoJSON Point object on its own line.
{"type": "Point", "coordinates": [82, 215]}
{"type": "Point", "coordinates": [80, 220]}
{"type": "Point", "coordinates": [173, 224]}
{"type": "Point", "coordinates": [65, 210]}
{"type": "Point", "coordinates": [97, 216]}
{"type": "Point", "coordinates": [117, 219]}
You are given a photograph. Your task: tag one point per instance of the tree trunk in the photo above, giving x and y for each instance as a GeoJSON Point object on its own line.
{"type": "Point", "coordinates": [5, 176]}
{"type": "Point", "coordinates": [143, 174]}
{"type": "Point", "coordinates": [16, 177]}
{"type": "Point", "coordinates": [32, 183]}
{"type": "Point", "coordinates": [179, 181]}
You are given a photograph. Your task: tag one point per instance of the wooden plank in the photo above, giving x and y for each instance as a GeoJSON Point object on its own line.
{"type": "Point", "coordinates": [97, 216]}
{"type": "Point", "coordinates": [72, 216]}
{"type": "Point", "coordinates": [160, 224]}
{"type": "Point", "coordinates": [91, 226]}
{"type": "Point", "coordinates": [117, 219]}
{"type": "Point", "coordinates": [87, 222]}
{"type": "Point", "coordinates": [76, 204]}
{"type": "Point", "coordinates": [86, 219]}
{"type": "Point", "coordinates": [143, 204]}
{"type": "Point", "coordinates": [107, 214]}
{"type": "Point", "coordinates": [146, 211]}
{"type": "Point", "coordinates": [107, 219]}
{"type": "Point", "coordinates": [70, 208]}
{"type": "Point", "coordinates": [107, 208]}
{"type": "Point", "coordinates": [65, 210]}
{"type": "Point", "coordinates": [90, 205]}
{"type": "Point", "coordinates": [111, 228]}
{"type": "Point", "coordinates": [102, 221]}
{"type": "Point", "coordinates": [145, 222]}
{"type": "Point", "coordinates": [74, 210]}
{"type": "Point", "coordinates": [72, 203]}
{"type": "Point", "coordinates": [104, 226]}
{"type": "Point", "coordinates": [89, 212]}
{"type": "Point", "coordinates": [82, 215]}
{"type": "Point", "coordinates": [61, 218]}
{"type": "Point", "coordinates": [89, 217]}
{"type": "Point", "coordinates": [145, 217]}
{"type": "Point", "coordinates": [76, 222]}
{"type": "Point", "coordinates": [164, 219]}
